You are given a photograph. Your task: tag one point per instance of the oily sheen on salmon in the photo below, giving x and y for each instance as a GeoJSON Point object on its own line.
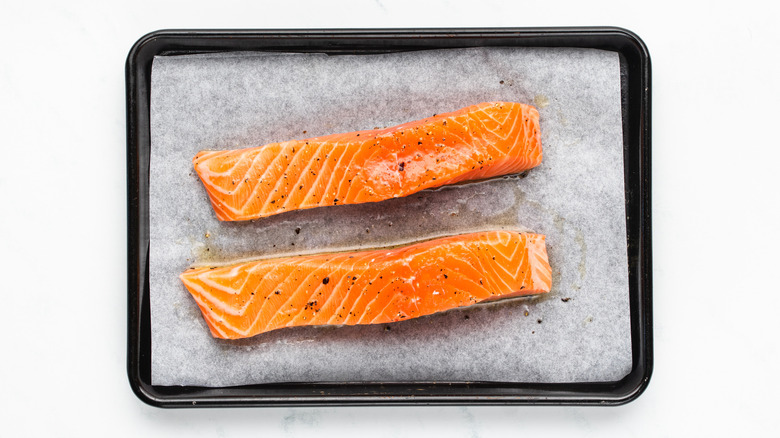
{"type": "Point", "coordinates": [369, 287]}
{"type": "Point", "coordinates": [476, 142]}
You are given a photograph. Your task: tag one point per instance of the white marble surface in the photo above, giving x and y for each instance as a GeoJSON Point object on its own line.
{"type": "Point", "coordinates": [64, 223]}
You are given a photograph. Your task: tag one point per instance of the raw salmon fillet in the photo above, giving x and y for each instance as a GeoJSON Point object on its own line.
{"type": "Point", "coordinates": [476, 142]}
{"type": "Point", "coordinates": [369, 287]}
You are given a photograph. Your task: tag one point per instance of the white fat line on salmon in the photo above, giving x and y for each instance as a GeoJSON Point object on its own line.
{"type": "Point", "coordinates": [491, 117]}
{"type": "Point", "coordinates": [333, 265]}
{"type": "Point", "coordinates": [207, 155]}
{"type": "Point", "coordinates": [207, 280]}
{"type": "Point", "coordinates": [362, 280]}
{"type": "Point", "coordinates": [375, 280]}
{"type": "Point", "coordinates": [305, 171]}
{"type": "Point", "coordinates": [214, 301]}
{"type": "Point", "coordinates": [329, 184]}
{"type": "Point", "coordinates": [212, 316]}
{"type": "Point", "coordinates": [476, 273]}
{"type": "Point", "coordinates": [381, 293]}
{"type": "Point", "coordinates": [252, 298]}
{"type": "Point", "coordinates": [312, 275]}
{"type": "Point", "coordinates": [494, 267]}
{"type": "Point", "coordinates": [268, 280]}
{"type": "Point", "coordinates": [351, 274]}
{"type": "Point", "coordinates": [285, 151]}
{"type": "Point", "coordinates": [453, 133]}
{"type": "Point", "coordinates": [381, 313]}
{"type": "Point", "coordinates": [472, 279]}
{"type": "Point", "coordinates": [222, 214]}
{"type": "Point", "coordinates": [350, 195]}
{"type": "Point", "coordinates": [255, 189]}
{"type": "Point", "coordinates": [346, 179]}
{"type": "Point", "coordinates": [251, 168]}
{"type": "Point", "coordinates": [214, 324]}
{"type": "Point", "coordinates": [208, 175]}
{"type": "Point", "coordinates": [536, 274]}
{"type": "Point", "coordinates": [311, 193]}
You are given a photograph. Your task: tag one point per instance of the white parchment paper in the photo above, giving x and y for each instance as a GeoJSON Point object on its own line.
{"type": "Point", "coordinates": [580, 332]}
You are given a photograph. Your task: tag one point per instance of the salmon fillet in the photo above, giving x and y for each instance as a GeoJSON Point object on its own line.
{"type": "Point", "coordinates": [369, 287]}
{"type": "Point", "coordinates": [476, 142]}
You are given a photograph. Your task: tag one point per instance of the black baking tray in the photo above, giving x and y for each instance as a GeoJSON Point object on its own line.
{"type": "Point", "coordinates": [635, 78]}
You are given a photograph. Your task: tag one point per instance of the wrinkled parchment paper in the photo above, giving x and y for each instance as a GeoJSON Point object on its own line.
{"type": "Point", "coordinates": [580, 332]}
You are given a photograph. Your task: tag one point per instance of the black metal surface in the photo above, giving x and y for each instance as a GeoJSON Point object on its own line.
{"type": "Point", "coordinates": [635, 78]}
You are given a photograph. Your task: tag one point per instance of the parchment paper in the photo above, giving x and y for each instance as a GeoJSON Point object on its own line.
{"type": "Point", "coordinates": [579, 332]}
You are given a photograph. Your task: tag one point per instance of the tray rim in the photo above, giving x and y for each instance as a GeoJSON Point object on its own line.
{"type": "Point", "coordinates": [637, 153]}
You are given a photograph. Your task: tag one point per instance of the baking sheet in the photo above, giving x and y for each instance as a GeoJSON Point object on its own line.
{"type": "Point", "coordinates": [580, 332]}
